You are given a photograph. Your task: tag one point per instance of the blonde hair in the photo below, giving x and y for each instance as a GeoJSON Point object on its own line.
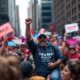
{"type": "Point", "coordinates": [37, 78]}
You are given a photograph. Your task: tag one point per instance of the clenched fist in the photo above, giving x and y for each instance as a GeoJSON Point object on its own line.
{"type": "Point", "coordinates": [51, 65]}
{"type": "Point", "coordinates": [28, 21]}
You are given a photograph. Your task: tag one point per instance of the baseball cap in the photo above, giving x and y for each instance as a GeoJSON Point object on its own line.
{"type": "Point", "coordinates": [11, 44]}
{"type": "Point", "coordinates": [42, 36]}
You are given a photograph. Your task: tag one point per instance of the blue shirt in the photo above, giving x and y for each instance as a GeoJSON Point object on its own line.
{"type": "Point", "coordinates": [42, 56]}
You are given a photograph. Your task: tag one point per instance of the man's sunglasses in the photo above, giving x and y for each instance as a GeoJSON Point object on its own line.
{"type": "Point", "coordinates": [42, 36]}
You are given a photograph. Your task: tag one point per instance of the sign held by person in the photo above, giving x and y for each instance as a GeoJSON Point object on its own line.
{"type": "Point", "coordinates": [71, 27]}
{"type": "Point", "coordinates": [5, 29]}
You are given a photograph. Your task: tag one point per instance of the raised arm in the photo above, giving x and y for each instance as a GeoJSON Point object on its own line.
{"type": "Point", "coordinates": [2, 49]}
{"type": "Point", "coordinates": [28, 32]}
{"type": "Point", "coordinates": [30, 42]}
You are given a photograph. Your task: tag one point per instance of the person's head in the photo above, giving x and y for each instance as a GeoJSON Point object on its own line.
{"type": "Point", "coordinates": [6, 72]}
{"type": "Point", "coordinates": [37, 78]}
{"type": "Point", "coordinates": [14, 63]}
{"type": "Point", "coordinates": [11, 45]}
{"type": "Point", "coordinates": [71, 70]}
{"type": "Point", "coordinates": [65, 73]}
{"type": "Point", "coordinates": [74, 67]}
{"type": "Point", "coordinates": [53, 38]}
{"type": "Point", "coordinates": [23, 47]}
{"type": "Point", "coordinates": [42, 39]}
{"type": "Point", "coordinates": [72, 49]}
{"type": "Point", "coordinates": [26, 53]}
{"type": "Point", "coordinates": [26, 69]}
{"type": "Point", "coordinates": [60, 41]}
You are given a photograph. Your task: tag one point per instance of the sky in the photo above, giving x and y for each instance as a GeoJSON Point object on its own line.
{"type": "Point", "coordinates": [23, 5]}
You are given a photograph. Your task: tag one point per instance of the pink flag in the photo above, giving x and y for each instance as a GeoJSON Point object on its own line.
{"type": "Point", "coordinates": [5, 29]}
{"type": "Point", "coordinates": [72, 41]}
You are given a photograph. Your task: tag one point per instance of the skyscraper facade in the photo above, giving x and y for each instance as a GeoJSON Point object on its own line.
{"type": "Point", "coordinates": [34, 14]}
{"type": "Point", "coordinates": [45, 13]}
{"type": "Point", "coordinates": [11, 12]}
{"type": "Point", "coordinates": [4, 11]}
{"type": "Point", "coordinates": [17, 21]}
{"type": "Point", "coordinates": [65, 12]}
{"type": "Point", "coordinates": [7, 12]}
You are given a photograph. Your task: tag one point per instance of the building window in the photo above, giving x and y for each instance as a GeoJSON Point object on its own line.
{"type": "Point", "coordinates": [74, 10]}
{"type": "Point", "coordinates": [46, 14]}
{"type": "Point", "coordinates": [2, 1]}
{"type": "Point", "coordinates": [78, 0]}
{"type": "Point", "coordinates": [68, 14]}
{"type": "Point", "coordinates": [79, 15]}
{"type": "Point", "coordinates": [68, 6]}
{"type": "Point", "coordinates": [74, 18]}
{"type": "Point", "coordinates": [79, 7]}
{"type": "Point", "coordinates": [46, 4]}
{"type": "Point", "coordinates": [46, 20]}
{"type": "Point", "coordinates": [73, 2]}
{"type": "Point", "coordinates": [67, 1]}
{"type": "Point", "coordinates": [46, 8]}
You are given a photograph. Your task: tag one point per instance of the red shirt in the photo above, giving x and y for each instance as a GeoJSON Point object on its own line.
{"type": "Point", "coordinates": [74, 56]}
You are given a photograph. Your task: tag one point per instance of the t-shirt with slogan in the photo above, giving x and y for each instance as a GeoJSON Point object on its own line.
{"type": "Point", "coordinates": [42, 56]}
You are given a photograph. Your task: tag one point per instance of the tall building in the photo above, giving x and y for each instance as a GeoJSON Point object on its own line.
{"type": "Point", "coordinates": [52, 8]}
{"type": "Point", "coordinates": [11, 12]}
{"type": "Point", "coordinates": [45, 13]}
{"type": "Point", "coordinates": [41, 13]}
{"type": "Point", "coordinates": [72, 11]}
{"type": "Point", "coordinates": [17, 22]}
{"type": "Point", "coordinates": [59, 14]}
{"type": "Point", "coordinates": [66, 11]}
{"type": "Point", "coordinates": [30, 13]}
{"type": "Point", "coordinates": [33, 12]}
{"type": "Point", "coordinates": [7, 12]}
{"type": "Point", "coordinates": [4, 11]}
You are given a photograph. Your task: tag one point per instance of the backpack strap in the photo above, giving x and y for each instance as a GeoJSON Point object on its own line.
{"type": "Point", "coordinates": [54, 50]}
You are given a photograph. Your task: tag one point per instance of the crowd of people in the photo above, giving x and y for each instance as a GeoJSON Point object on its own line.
{"type": "Point", "coordinates": [46, 58]}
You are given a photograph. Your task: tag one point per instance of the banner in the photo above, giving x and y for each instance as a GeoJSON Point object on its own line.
{"type": "Point", "coordinates": [17, 41]}
{"type": "Point", "coordinates": [71, 27]}
{"type": "Point", "coordinates": [5, 29]}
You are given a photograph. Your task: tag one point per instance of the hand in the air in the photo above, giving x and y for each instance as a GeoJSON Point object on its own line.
{"type": "Point", "coordinates": [28, 21]}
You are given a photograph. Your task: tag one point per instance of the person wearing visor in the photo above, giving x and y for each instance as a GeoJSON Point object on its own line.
{"type": "Point", "coordinates": [46, 56]}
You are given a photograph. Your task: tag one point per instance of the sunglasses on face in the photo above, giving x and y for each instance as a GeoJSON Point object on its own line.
{"type": "Point", "coordinates": [43, 36]}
